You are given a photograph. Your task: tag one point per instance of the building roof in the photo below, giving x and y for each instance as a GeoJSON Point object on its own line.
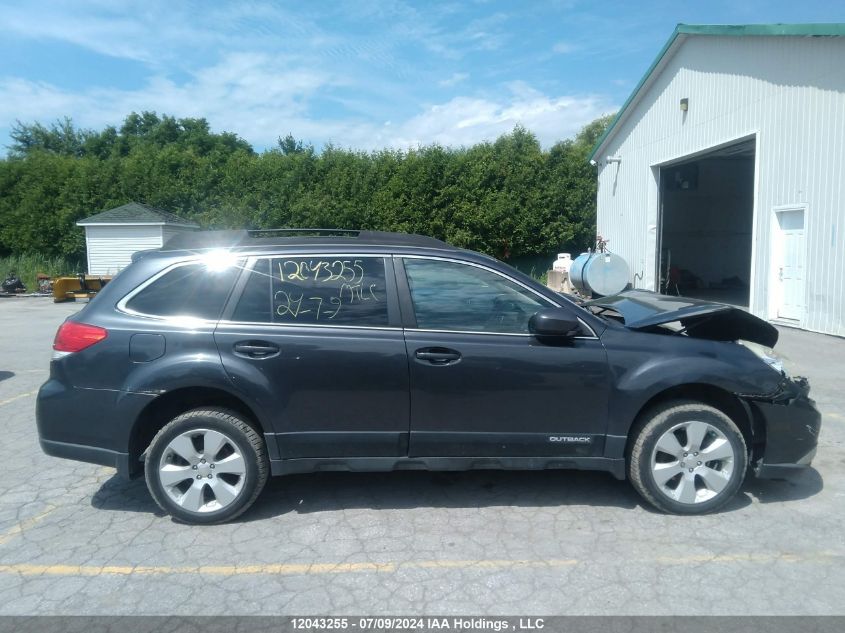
{"type": "Point", "coordinates": [136, 213]}
{"type": "Point", "coordinates": [683, 31]}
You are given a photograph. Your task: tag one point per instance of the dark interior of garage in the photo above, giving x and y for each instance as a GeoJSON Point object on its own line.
{"type": "Point", "coordinates": [707, 214]}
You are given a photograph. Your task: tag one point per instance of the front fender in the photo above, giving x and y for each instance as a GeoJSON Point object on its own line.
{"type": "Point", "coordinates": [644, 365]}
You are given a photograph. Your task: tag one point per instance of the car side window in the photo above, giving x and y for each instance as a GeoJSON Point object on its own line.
{"type": "Point", "coordinates": [254, 304]}
{"type": "Point", "coordinates": [192, 290]}
{"type": "Point", "coordinates": [461, 297]}
{"type": "Point", "coordinates": [315, 291]}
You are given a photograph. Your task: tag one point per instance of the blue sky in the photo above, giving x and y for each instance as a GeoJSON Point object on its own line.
{"type": "Point", "coordinates": [364, 74]}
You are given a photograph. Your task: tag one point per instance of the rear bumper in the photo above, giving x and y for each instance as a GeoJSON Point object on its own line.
{"type": "Point", "coordinates": [91, 454]}
{"type": "Point", "coordinates": [792, 424]}
{"type": "Point", "coordinates": [88, 425]}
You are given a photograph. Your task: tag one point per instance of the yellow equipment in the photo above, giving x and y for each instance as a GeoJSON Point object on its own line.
{"type": "Point", "coordinates": [80, 287]}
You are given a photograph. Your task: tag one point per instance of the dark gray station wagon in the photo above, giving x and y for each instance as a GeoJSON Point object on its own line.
{"type": "Point", "coordinates": [229, 356]}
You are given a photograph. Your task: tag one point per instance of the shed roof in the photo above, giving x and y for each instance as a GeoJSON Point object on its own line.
{"type": "Point", "coordinates": [683, 31]}
{"type": "Point", "coordinates": [136, 213]}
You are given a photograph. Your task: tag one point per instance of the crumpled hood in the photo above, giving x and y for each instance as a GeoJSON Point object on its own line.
{"type": "Point", "coordinates": [642, 309]}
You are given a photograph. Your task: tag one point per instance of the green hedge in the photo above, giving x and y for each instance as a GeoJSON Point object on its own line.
{"type": "Point", "coordinates": [509, 198]}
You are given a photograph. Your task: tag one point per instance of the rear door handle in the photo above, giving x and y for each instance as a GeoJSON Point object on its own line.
{"type": "Point", "coordinates": [438, 355]}
{"type": "Point", "coordinates": [255, 349]}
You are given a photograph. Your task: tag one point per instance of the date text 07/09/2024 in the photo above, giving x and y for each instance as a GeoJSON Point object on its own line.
{"type": "Point", "coordinates": [454, 623]}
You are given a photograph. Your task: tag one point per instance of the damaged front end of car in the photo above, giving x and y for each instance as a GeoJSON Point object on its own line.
{"type": "Point", "coordinates": [651, 312]}
{"type": "Point", "coordinates": [786, 426]}
{"type": "Point", "coordinates": [785, 423]}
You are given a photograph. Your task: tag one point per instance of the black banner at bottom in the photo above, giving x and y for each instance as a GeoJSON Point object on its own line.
{"type": "Point", "coordinates": [461, 623]}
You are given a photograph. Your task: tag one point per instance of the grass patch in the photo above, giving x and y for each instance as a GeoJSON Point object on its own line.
{"type": "Point", "coordinates": [27, 266]}
{"type": "Point", "coordinates": [541, 276]}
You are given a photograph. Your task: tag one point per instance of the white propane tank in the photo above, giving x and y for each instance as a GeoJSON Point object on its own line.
{"type": "Point", "coordinates": [562, 263]}
{"type": "Point", "coordinates": [599, 274]}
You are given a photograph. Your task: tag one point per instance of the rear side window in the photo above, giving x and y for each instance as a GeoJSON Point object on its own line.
{"type": "Point", "coordinates": [192, 290]}
{"type": "Point", "coordinates": [315, 291]}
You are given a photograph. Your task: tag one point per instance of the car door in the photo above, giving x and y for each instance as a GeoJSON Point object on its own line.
{"type": "Point", "coordinates": [315, 343]}
{"type": "Point", "coordinates": [481, 385]}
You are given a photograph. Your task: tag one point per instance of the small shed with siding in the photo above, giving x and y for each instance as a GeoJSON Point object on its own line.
{"type": "Point", "coordinates": [113, 236]}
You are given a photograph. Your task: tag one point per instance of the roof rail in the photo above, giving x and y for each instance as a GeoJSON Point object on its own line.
{"type": "Point", "coordinates": [191, 240]}
{"type": "Point", "coordinates": [304, 232]}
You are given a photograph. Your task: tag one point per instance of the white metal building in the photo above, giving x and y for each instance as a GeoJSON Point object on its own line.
{"type": "Point", "coordinates": [722, 175]}
{"type": "Point", "coordinates": [113, 236]}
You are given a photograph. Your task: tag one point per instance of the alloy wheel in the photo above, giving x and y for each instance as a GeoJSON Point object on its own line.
{"type": "Point", "coordinates": [202, 470]}
{"type": "Point", "coordinates": [692, 462]}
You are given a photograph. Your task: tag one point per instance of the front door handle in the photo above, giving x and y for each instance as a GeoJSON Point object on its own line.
{"type": "Point", "coordinates": [255, 349]}
{"type": "Point", "coordinates": [438, 355]}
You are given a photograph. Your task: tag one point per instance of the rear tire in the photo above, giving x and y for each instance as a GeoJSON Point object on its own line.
{"type": "Point", "coordinates": [206, 466]}
{"type": "Point", "coordinates": [687, 458]}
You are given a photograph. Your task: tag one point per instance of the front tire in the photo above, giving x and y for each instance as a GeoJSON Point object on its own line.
{"type": "Point", "coordinates": [688, 458]}
{"type": "Point", "coordinates": [206, 466]}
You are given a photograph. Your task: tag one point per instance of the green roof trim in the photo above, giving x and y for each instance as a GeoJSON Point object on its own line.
{"type": "Point", "coordinates": [794, 30]}
{"type": "Point", "coordinates": [136, 213]}
{"type": "Point", "coordinates": [832, 29]}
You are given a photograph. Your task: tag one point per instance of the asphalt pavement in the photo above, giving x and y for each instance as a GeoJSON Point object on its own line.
{"type": "Point", "coordinates": [75, 539]}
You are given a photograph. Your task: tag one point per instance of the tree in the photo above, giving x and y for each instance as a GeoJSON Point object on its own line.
{"type": "Point", "coordinates": [509, 198]}
{"type": "Point", "coordinates": [591, 133]}
{"type": "Point", "coordinates": [290, 145]}
{"type": "Point", "coordinates": [60, 138]}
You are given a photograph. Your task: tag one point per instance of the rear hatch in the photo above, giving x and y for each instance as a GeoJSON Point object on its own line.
{"type": "Point", "coordinates": [649, 311]}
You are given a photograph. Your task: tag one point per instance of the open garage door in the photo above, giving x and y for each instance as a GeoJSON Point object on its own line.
{"type": "Point", "coordinates": [707, 211]}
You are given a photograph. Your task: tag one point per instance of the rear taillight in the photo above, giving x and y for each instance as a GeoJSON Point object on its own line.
{"type": "Point", "coordinates": [75, 337]}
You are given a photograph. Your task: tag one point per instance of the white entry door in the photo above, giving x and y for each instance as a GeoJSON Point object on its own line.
{"type": "Point", "coordinates": [789, 263]}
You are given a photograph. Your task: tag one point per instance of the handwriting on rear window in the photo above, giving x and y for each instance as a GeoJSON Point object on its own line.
{"type": "Point", "coordinates": [322, 290]}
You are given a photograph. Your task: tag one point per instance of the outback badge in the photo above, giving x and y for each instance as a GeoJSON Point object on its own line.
{"type": "Point", "coordinates": [571, 439]}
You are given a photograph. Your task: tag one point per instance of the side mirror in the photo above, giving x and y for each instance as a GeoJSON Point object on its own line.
{"type": "Point", "coordinates": [554, 322]}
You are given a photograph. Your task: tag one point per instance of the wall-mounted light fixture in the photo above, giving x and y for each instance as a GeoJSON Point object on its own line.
{"type": "Point", "coordinates": [684, 104]}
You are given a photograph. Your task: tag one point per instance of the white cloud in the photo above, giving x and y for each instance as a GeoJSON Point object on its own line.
{"type": "Point", "coordinates": [454, 80]}
{"type": "Point", "coordinates": [160, 33]}
{"type": "Point", "coordinates": [113, 36]}
{"type": "Point", "coordinates": [247, 93]}
{"type": "Point", "coordinates": [564, 47]}
{"type": "Point", "coordinates": [487, 34]}
{"type": "Point", "coordinates": [351, 74]}
{"type": "Point", "coordinates": [30, 100]}
{"type": "Point", "coordinates": [468, 120]}
{"type": "Point", "coordinates": [261, 98]}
